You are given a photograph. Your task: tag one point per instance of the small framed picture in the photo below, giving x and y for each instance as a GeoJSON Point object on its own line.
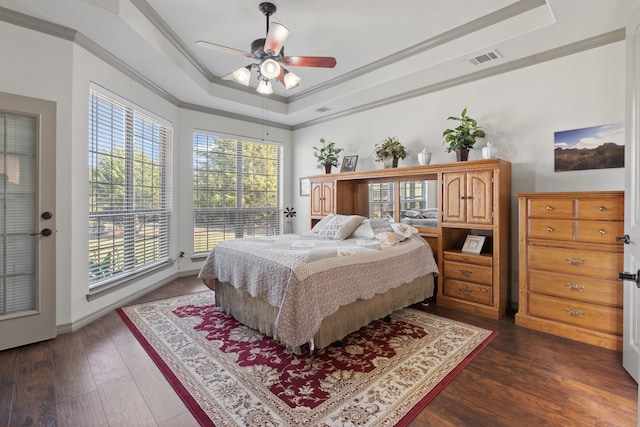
{"type": "Point", "coordinates": [304, 186]}
{"type": "Point", "coordinates": [349, 163]}
{"type": "Point", "coordinates": [473, 244]}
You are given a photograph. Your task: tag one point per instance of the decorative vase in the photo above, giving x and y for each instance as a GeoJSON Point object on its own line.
{"type": "Point", "coordinates": [390, 162]}
{"type": "Point", "coordinates": [424, 158]}
{"type": "Point", "coordinates": [462, 155]}
{"type": "Point", "coordinates": [489, 152]}
{"type": "Point", "coordinates": [327, 168]}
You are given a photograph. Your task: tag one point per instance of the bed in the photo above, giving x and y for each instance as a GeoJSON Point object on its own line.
{"type": "Point", "coordinates": [315, 288]}
{"type": "Point", "coordinates": [420, 217]}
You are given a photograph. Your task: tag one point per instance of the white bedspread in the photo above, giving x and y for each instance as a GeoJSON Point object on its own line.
{"type": "Point", "coordinates": [309, 278]}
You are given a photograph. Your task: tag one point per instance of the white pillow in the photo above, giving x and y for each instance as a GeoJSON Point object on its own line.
{"type": "Point", "coordinates": [340, 227]}
{"type": "Point", "coordinates": [320, 224]}
{"type": "Point", "coordinates": [363, 231]}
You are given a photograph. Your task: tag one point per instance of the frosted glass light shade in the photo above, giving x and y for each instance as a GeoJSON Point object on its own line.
{"type": "Point", "coordinates": [270, 69]}
{"type": "Point", "coordinates": [242, 75]}
{"type": "Point", "coordinates": [291, 80]}
{"type": "Point", "coordinates": [265, 87]}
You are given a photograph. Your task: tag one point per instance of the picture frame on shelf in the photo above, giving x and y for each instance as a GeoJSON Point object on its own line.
{"type": "Point", "coordinates": [473, 244]}
{"type": "Point", "coordinates": [304, 187]}
{"type": "Point", "coordinates": [349, 163]}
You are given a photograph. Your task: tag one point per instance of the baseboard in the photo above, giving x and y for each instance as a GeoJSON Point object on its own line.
{"type": "Point", "coordinates": [73, 326]}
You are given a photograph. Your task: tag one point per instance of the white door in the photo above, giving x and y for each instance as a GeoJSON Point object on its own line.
{"type": "Point", "coordinates": [27, 220]}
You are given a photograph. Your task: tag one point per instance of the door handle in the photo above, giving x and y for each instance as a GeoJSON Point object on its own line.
{"type": "Point", "coordinates": [625, 239]}
{"type": "Point", "coordinates": [633, 277]}
{"type": "Point", "coordinates": [45, 232]}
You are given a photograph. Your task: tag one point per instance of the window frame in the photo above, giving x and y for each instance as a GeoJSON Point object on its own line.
{"type": "Point", "coordinates": [249, 226]}
{"type": "Point", "coordinates": [147, 207]}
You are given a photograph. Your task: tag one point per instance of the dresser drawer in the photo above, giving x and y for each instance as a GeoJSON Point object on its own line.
{"type": "Point", "coordinates": [605, 208]}
{"type": "Point", "coordinates": [599, 231]}
{"type": "Point", "coordinates": [585, 315]}
{"type": "Point", "coordinates": [604, 265]}
{"type": "Point", "coordinates": [467, 291]}
{"type": "Point", "coordinates": [468, 272]}
{"type": "Point", "coordinates": [467, 258]}
{"type": "Point", "coordinates": [587, 289]}
{"type": "Point", "coordinates": [560, 208]}
{"type": "Point", "coordinates": [556, 229]}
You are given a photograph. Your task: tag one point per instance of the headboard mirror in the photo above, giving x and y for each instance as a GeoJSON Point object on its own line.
{"type": "Point", "coordinates": [418, 201]}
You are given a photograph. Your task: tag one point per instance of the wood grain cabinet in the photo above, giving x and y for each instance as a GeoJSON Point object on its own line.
{"type": "Point", "coordinates": [467, 197]}
{"type": "Point", "coordinates": [568, 265]}
{"type": "Point", "coordinates": [321, 198]}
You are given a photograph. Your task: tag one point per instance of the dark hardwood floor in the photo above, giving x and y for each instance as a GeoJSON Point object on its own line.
{"type": "Point", "coordinates": [100, 376]}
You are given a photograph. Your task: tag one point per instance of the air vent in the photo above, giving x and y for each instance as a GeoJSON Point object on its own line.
{"type": "Point", "coordinates": [485, 57]}
{"type": "Point", "coordinates": [323, 109]}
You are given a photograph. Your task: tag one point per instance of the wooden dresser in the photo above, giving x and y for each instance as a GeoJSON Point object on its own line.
{"type": "Point", "coordinates": [569, 263]}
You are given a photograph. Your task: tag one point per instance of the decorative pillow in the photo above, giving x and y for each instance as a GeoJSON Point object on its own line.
{"type": "Point", "coordinates": [340, 226]}
{"type": "Point", "coordinates": [429, 213]}
{"type": "Point", "coordinates": [320, 225]}
{"type": "Point", "coordinates": [403, 231]}
{"type": "Point", "coordinates": [410, 213]}
{"type": "Point", "coordinates": [363, 231]}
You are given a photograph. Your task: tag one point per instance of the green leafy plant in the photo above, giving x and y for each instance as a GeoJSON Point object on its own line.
{"type": "Point", "coordinates": [327, 154]}
{"type": "Point", "coordinates": [463, 137]}
{"type": "Point", "coordinates": [390, 147]}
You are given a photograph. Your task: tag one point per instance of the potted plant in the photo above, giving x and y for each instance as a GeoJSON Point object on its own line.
{"type": "Point", "coordinates": [389, 151]}
{"type": "Point", "coordinates": [327, 155]}
{"type": "Point", "coordinates": [463, 137]}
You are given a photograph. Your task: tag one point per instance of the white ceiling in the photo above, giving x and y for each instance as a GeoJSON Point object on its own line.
{"type": "Point", "coordinates": [386, 50]}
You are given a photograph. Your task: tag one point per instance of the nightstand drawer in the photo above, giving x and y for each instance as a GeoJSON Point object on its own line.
{"type": "Point", "coordinates": [606, 208]}
{"type": "Point", "coordinates": [467, 291]}
{"type": "Point", "coordinates": [467, 258]}
{"type": "Point", "coordinates": [585, 315]}
{"type": "Point", "coordinates": [599, 231]}
{"type": "Point", "coordinates": [579, 288]}
{"type": "Point", "coordinates": [604, 265]}
{"type": "Point", "coordinates": [556, 229]}
{"type": "Point", "coordinates": [468, 272]}
{"type": "Point", "coordinates": [561, 208]}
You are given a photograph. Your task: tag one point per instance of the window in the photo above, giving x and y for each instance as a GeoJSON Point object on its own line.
{"type": "Point", "coordinates": [236, 189]}
{"type": "Point", "coordinates": [381, 200]}
{"type": "Point", "coordinates": [129, 189]}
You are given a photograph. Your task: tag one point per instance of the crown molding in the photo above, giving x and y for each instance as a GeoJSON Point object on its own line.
{"type": "Point", "coordinates": [566, 50]}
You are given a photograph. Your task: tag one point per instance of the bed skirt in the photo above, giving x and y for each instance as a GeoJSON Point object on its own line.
{"type": "Point", "coordinates": [258, 314]}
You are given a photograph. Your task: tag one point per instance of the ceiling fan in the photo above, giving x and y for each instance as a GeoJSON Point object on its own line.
{"type": "Point", "coordinates": [269, 52]}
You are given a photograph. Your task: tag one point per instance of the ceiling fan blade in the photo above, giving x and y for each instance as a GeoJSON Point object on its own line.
{"type": "Point", "coordinates": [221, 48]}
{"type": "Point", "coordinates": [276, 37]}
{"type": "Point", "coordinates": [310, 61]}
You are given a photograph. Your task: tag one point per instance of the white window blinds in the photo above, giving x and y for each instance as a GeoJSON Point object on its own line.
{"type": "Point", "coordinates": [236, 189]}
{"type": "Point", "coordinates": [129, 189]}
{"type": "Point", "coordinates": [18, 150]}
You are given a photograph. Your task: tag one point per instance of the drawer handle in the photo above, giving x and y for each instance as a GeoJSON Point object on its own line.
{"type": "Point", "coordinates": [603, 231]}
{"type": "Point", "coordinates": [603, 208]}
{"type": "Point", "coordinates": [463, 197]}
{"type": "Point", "coordinates": [465, 291]}
{"type": "Point", "coordinates": [574, 287]}
{"type": "Point", "coordinates": [549, 208]}
{"type": "Point", "coordinates": [574, 313]}
{"type": "Point", "coordinates": [465, 272]}
{"type": "Point", "coordinates": [549, 229]}
{"type": "Point", "coordinates": [575, 261]}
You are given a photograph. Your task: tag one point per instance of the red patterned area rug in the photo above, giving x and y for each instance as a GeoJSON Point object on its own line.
{"type": "Point", "coordinates": [228, 374]}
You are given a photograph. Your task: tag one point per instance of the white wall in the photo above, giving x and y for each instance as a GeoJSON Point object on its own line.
{"type": "Point", "coordinates": [520, 112]}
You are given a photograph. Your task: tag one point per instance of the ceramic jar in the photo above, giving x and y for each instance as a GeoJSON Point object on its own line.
{"type": "Point", "coordinates": [489, 152]}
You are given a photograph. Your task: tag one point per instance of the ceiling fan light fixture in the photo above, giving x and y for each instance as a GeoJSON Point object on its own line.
{"type": "Point", "coordinates": [270, 69]}
{"type": "Point", "coordinates": [291, 80]}
{"type": "Point", "coordinates": [242, 75]}
{"type": "Point", "coordinates": [264, 87]}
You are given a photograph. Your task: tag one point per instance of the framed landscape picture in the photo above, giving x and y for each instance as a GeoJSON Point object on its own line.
{"type": "Point", "coordinates": [597, 147]}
